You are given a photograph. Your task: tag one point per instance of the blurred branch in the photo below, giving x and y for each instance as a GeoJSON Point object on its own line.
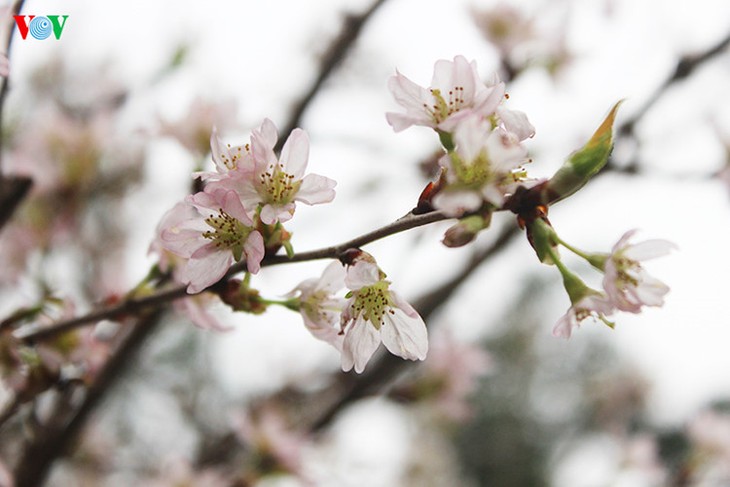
{"type": "Point", "coordinates": [67, 420]}
{"type": "Point", "coordinates": [12, 192]}
{"type": "Point", "coordinates": [135, 305]}
{"type": "Point", "coordinates": [686, 66]}
{"type": "Point", "coordinates": [338, 49]}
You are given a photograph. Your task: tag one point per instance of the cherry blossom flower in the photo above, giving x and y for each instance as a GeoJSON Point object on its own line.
{"type": "Point", "coordinates": [375, 313]}
{"type": "Point", "coordinates": [277, 183]}
{"type": "Point", "coordinates": [211, 229]}
{"type": "Point", "coordinates": [229, 161]}
{"type": "Point", "coordinates": [592, 305]}
{"type": "Point", "coordinates": [197, 308]}
{"type": "Point", "coordinates": [628, 285]}
{"type": "Point", "coordinates": [481, 168]}
{"type": "Point", "coordinates": [456, 89]}
{"type": "Point", "coordinates": [319, 307]}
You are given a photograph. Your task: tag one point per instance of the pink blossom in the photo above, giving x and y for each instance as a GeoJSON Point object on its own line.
{"type": "Point", "coordinates": [455, 89]}
{"type": "Point", "coordinates": [591, 305]}
{"type": "Point", "coordinates": [374, 313]}
{"type": "Point", "coordinates": [628, 285]}
{"type": "Point", "coordinates": [211, 229]}
{"type": "Point", "coordinates": [319, 307]}
{"type": "Point", "coordinates": [277, 183]}
{"type": "Point", "coordinates": [230, 161]}
{"type": "Point", "coordinates": [193, 129]}
{"type": "Point", "coordinates": [481, 168]}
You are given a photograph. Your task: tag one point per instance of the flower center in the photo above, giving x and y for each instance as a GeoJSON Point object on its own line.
{"type": "Point", "coordinates": [441, 109]}
{"type": "Point", "coordinates": [279, 187]}
{"type": "Point", "coordinates": [472, 174]}
{"type": "Point", "coordinates": [228, 233]}
{"type": "Point", "coordinates": [372, 302]}
{"type": "Point", "coordinates": [232, 162]}
{"type": "Point", "coordinates": [624, 268]}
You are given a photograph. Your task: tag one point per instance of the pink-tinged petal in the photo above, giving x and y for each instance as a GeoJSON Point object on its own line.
{"type": "Point", "coordinates": [361, 274]}
{"type": "Point", "coordinates": [183, 241]}
{"type": "Point", "coordinates": [404, 335]}
{"type": "Point", "coordinates": [649, 249]}
{"type": "Point", "coordinates": [333, 278]}
{"type": "Point", "coordinates": [316, 189]}
{"type": "Point", "coordinates": [254, 249]}
{"type": "Point", "coordinates": [361, 341]}
{"type": "Point", "coordinates": [455, 202]}
{"type": "Point", "coordinates": [488, 99]}
{"type": "Point", "coordinates": [268, 132]}
{"type": "Point", "coordinates": [505, 151]}
{"type": "Point", "coordinates": [270, 214]}
{"type": "Point", "coordinates": [401, 121]}
{"type": "Point", "coordinates": [516, 123]}
{"type": "Point", "coordinates": [232, 205]}
{"type": "Point", "coordinates": [470, 135]}
{"type": "Point", "coordinates": [195, 308]}
{"type": "Point", "coordinates": [263, 154]}
{"type": "Point", "coordinates": [205, 268]}
{"type": "Point", "coordinates": [408, 94]}
{"type": "Point", "coordinates": [564, 327]}
{"type": "Point", "coordinates": [295, 153]}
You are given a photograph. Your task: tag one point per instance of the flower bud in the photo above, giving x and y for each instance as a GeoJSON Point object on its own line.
{"type": "Point", "coordinates": [466, 230]}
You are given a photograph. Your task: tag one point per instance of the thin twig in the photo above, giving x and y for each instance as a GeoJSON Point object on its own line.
{"type": "Point", "coordinates": [340, 47]}
{"type": "Point", "coordinates": [4, 82]}
{"type": "Point", "coordinates": [136, 304]}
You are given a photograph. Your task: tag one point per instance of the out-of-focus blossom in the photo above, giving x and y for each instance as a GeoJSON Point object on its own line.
{"type": "Point", "coordinates": [592, 305]}
{"type": "Point", "coordinates": [456, 90]}
{"type": "Point", "coordinates": [642, 464]}
{"type": "Point", "coordinates": [179, 472]}
{"type": "Point", "coordinates": [197, 308]}
{"type": "Point", "coordinates": [276, 183]}
{"type": "Point", "coordinates": [211, 229]}
{"type": "Point", "coordinates": [375, 313]}
{"type": "Point", "coordinates": [709, 433]}
{"type": "Point", "coordinates": [451, 374]}
{"type": "Point", "coordinates": [318, 305]}
{"type": "Point", "coordinates": [6, 476]}
{"type": "Point", "coordinates": [628, 285]}
{"type": "Point", "coordinates": [193, 130]}
{"type": "Point", "coordinates": [277, 445]}
{"type": "Point", "coordinates": [481, 168]}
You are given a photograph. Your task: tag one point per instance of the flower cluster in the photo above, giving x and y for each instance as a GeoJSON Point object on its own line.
{"type": "Point", "coordinates": [371, 313]}
{"type": "Point", "coordinates": [626, 284]}
{"type": "Point", "coordinates": [482, 138]}
{"type": "Point", "coordinates": [239, 213]}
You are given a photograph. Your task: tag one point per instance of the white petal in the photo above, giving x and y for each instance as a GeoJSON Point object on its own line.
{"type": "Point", "coordinates": [316, 189]}
{"type": "Point", "coordinates": [404, 335]}
{"type": "Point", "coordinates": [516, 122]}
{"type": "Point", "coordinates": [456, 203]}
{"type": "Point", "coordinates": [649, 249]}
{"type": "Point", "coordinates": [361, 341]}
{"type": "Point", "coordinates": [254, 249]}
{"type": "Point", "coordinates": [361, 274]}
{"type": "Point", "coordinates": [205, 268]}
{"type": "Point", "coordinates": [295, 154]}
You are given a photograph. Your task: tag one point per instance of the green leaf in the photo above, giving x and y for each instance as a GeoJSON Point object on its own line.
{"type": "Point", "coordinates": [583, 164]}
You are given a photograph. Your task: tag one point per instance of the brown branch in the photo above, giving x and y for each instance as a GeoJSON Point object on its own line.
{"type": "Point", "coordinates": [63, 429]}
{"type": "Point", "coordinates": [12, 192]}
{"type": "Point", "coordinates": [136, 305]}
{"type": "Point", "coordinates": [340, 47]}
{"type": "Point", "coordinates": [4, 82]}
{"type": "Point", "coordinates": [685, 67]}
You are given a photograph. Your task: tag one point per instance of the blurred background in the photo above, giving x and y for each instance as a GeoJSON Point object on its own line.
{"type": "Point", "coordinates": [110, 120]}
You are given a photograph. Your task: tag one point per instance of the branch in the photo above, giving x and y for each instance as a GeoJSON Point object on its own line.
{"type": "Point", "coordinates": [135, 305]}
{"type": "Point", "coordinates": [350, 31]}
{"type": "Point", "coordinates": [64, 428]}
{"type": "Point", "coordinates": [4, 82]}
{"type": "Point", "coordinates": [686, 66]}
{"type": "Point", "coordinates": [12, 192]}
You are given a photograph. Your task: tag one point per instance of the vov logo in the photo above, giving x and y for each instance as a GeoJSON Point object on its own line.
{"type": "Point", "coordinates": [40, 27]}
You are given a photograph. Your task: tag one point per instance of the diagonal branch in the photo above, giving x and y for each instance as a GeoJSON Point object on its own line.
{"type": "Point", "coordinates": [135, 305]}
{"type": "Point", "coordinates": [340, 47]}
